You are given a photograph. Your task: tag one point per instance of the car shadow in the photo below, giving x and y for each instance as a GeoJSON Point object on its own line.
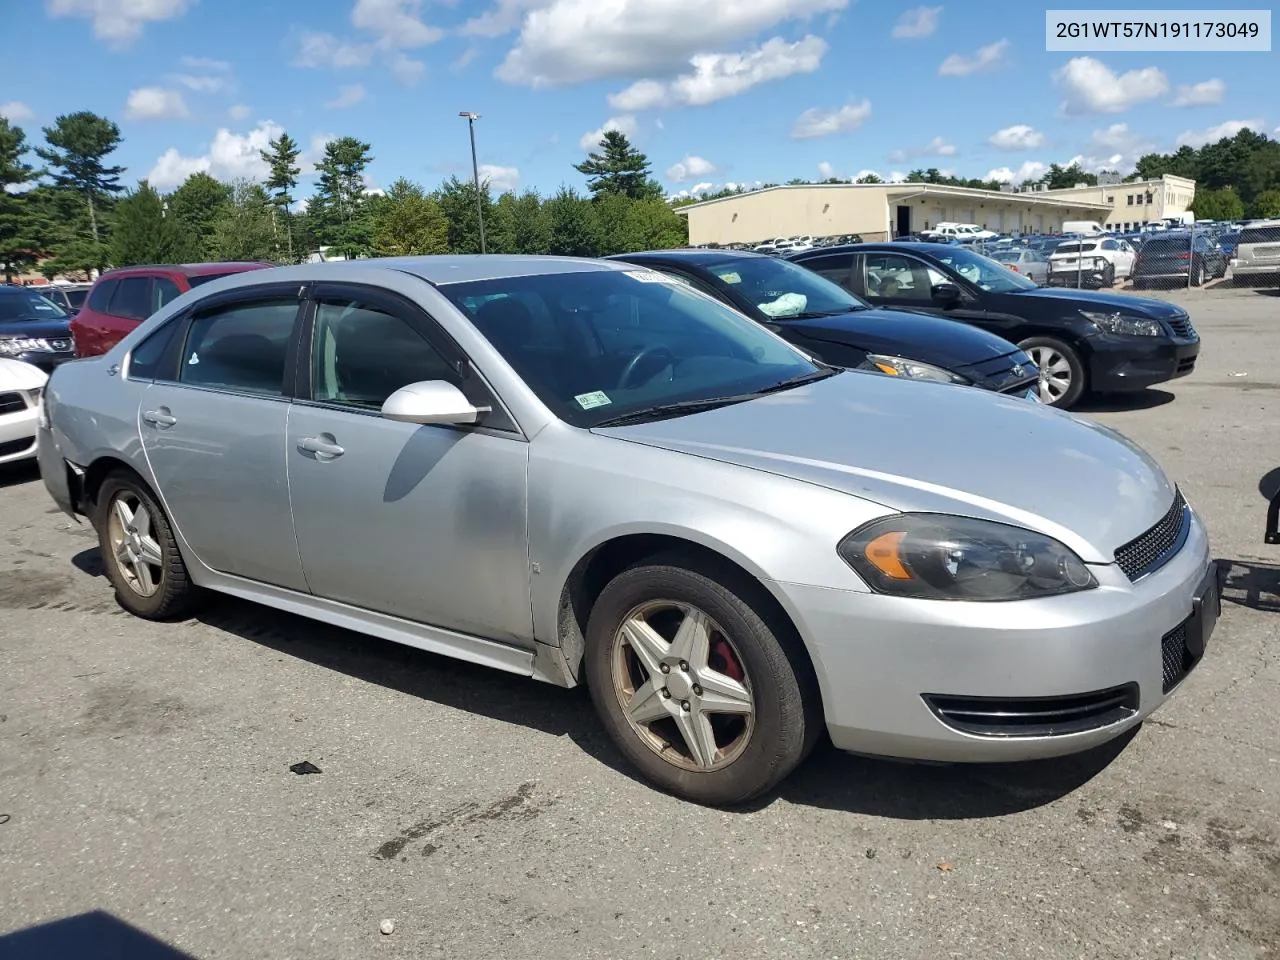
{"type": "Point", "coordinates": [1121, 402]}
{"type": "Point", "coordinates": [89, 562]}
{"type": "Point", "coordinates": [1252, 584]}
{"type": "Point", "coordinates": [829, 779]}
{"type": "Point", "coordinates": [15, 474]}
{"type": "Point", "coordinates": [93, 934]}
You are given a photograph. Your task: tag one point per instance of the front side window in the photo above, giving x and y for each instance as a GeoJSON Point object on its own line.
{"type": "Point", "coordinates": [146, 358]}
{"type": "Point", "coordinates": [597, 345]}
{"type": "Point", "coordinates": [132, 299]}
{"type": "Point", "coordinates": [361, 355]}
{"type": "Point", "coordinates": [983, 273]}
{"type": "Point", "coordinates": [896, 277]}
{"type": "Point", "coordinates": [780, 289]}
{"type": "Point", "coordinates": [240, 347]}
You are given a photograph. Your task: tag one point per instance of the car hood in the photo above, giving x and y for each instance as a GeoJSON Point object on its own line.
{"type": "Point", "coordinates": [915, 335]}
{"type": "Point", "coordinates": [41, 329]}
{"type": "Point", "coordinates": [917, 446]}
{"type": "Point", "coordinates": [1089, 300]}
{"type": "Point", "coordinates": [16, 375]}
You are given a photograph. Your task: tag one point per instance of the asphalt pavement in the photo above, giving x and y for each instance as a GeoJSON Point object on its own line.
{"type": "Point", "coordinates": [147, 801]}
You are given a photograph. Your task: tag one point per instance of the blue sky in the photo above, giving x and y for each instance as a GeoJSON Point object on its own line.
{"type": "Point", "coordinates": [714, 91]}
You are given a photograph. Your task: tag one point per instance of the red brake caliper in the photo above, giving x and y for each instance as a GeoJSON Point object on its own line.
{"type": "Point", "coordinates": [721, 650]}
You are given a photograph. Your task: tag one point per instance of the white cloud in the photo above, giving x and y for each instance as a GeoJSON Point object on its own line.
{"type": "Point", "coordinates": [118, 22]}
{"type": "Point", "coordinates": [863, 173]}
{"type": "Point", "coordinates": [816, 122]}
{"type": "Point", "coordinates": [1090, 86]}
{"type": "Point", "coordinates": [201, 83]}
{"type": "Point", "coordinates": [324, 51]}
{"type": "Point", "coordinates": [937, 147]}
{"type": "Point", "coordinates": [690, 168]}
{"type": "Point", "coordinates": [314, 151]}
{"type": "Point", "coordinates": [396, 23]}
{"type": "Point", "coordinates": [1200, 94]}
{"type": "Point", "coordinates": [395, 26]}
{"type": "Point", "coordinates": [463, 60]}
{"type": "Point", "coordinates": [624, 124]}
{"type": "Point", "coordinates": [916, 23]}
{"type": "Point", "coordinates": [15, 111]}
{"type": "Point", "coordinates": [717, 76]}
{"type": "Point", "coordinates": [1228, 128]}
{"type": "Point", "coordinates": [896, 176]}
{"type": "Point", "coordinates": [155, 103]}
{"type": "Point", "coordinates": [501, 179]}
{"type": "Point", "coordinates": [348, 96]}
{"type": "Point", "coordinates": [572, 41]}
{"type": "Point", "coordinates": [1020, 136]}
{"type": "Point", "coordinates": [239, 111]}
{"type": "Point", "coordinates": [1030, 170]}
{"type": "Point", "coordinates": [987, 58]}
{"type": "Point", "coordinates": [406, 70]}
{"type": "Point", "coordinates": [502, 18]}
{"type": "Point", "coordinates": [205, 63]}
{"type": "Point", "coordinates": [229, 157]}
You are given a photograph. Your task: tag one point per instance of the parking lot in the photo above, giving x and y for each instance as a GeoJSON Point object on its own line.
{"type": "Point", "coordinates": [145, 777]}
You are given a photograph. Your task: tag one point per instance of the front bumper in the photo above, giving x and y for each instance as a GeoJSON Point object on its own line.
{"type": "Point", "coordinates": [18, 435]}
{"type": "Point", "coordinates": [878, 657]}
{"type": "Point", "coordinates": [1255, 269]}
{"type": "Point", "coordinates": [1118, 364]}
{"type": "Point", "coordinates": [46, 360]}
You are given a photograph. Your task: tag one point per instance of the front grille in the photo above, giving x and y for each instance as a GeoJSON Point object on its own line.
{"type": "Point", "coordinates": [1035, 716]}
{"type": "Point", "coordinates": [11, 447]}
{"type": "Point", "coordinates": [12, 402]}
{"type": "Point", "coordinates": [1181, 328]}
{"type": "Point", "coordinates": [1153, 549]}
{"type": "Point", "coordinates": [1175, 659]}
{"type": "Point", "coordinates": [1186, 365]}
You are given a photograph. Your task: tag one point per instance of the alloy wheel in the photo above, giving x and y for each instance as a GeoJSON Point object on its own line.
{"type": "Point", "coordinates": [682, 685]}
{"type": "Point", "coordinates": [134, 549]}
{"type": "Point", "coordinates": [1055, 373]}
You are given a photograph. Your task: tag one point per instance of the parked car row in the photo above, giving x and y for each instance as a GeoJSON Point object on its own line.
{"type": "Point", "coordinates": [595, 472]}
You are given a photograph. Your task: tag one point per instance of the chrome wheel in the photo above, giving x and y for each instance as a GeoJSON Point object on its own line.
{"type": "Point", "coordinates": [682, 685]}
{"type": "Point", "coordinates": [1055, 373]}
{"type": "Point", "coordinates": [134, 549]}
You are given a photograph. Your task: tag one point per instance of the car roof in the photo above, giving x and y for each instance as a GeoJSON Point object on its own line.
{"type": "Point", "coordinates": [692, 255]}
{"type": "Point", "coordinates": [188, 269]}
{"type": "Point", "coordinates": [891, 246]}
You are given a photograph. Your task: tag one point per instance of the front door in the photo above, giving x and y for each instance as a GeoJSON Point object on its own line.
{"type": "Point", "coordinates": [425, 523]}
{"type": "Point", "coordinates": [904, 221]}
{"type": "Point", "coordinates": [213, 430]}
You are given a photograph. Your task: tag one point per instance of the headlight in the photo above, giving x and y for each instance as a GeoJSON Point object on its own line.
{"type": "Point", "coordinates": [1126, 326]}
{"type": "Point", "coordinates": [12, 346]}
{"type": "Point", "coordinates": [937, 557]}
{"type": "Point", "coordinates": [912, 369]}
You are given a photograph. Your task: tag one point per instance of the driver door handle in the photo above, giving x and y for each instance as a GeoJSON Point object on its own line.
{"type": "Point", "coordinates": [159, 418]}
{"type": "Point", "coordinates": [322, 448]}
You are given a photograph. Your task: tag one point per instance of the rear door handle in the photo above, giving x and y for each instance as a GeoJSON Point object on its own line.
{"type": "Point", "coordinates": [159, 418]}
{"type": "Point", "coordinates": [324, 449]}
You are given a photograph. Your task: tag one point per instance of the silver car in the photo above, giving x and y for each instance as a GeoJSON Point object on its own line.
{"type": "Point", "coordinates": [584, 472]}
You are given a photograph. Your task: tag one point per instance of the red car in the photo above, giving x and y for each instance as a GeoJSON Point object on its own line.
{"type": "Point", "coordinates": [123, 298]}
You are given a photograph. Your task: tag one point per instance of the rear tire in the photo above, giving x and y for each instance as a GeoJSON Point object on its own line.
{"type": "Point", "coordinates": [139, 550]}
{"type": "Point", "coordinates": [1062, 376]}
{"type": "Point", "coordinates": [656, 698]}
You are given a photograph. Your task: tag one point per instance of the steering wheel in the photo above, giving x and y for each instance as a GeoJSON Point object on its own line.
{"type": "Point", "coordinates": [624, 380]}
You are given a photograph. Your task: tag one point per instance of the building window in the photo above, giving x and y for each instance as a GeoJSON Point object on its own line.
{"type": "Point", "coordinates": [1148, 199]}
{"type": "Point", "coordinates": [1130, 199]}
{"type": "Point", "coordinates": [1111, 199]}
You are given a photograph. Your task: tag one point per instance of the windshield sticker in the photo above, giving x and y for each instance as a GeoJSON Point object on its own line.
{"type": "Point", "coordinates": [596, 398]}
{"type": "Point", "coordinates": [648, 276]}
{"type": "Point", "coordinates": [730, 277]}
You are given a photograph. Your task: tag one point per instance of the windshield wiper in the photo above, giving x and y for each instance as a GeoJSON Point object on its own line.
{"type": "Point", "coordinates": [818, 314]}
{"type": "Point", "coordinates": [662, 411]}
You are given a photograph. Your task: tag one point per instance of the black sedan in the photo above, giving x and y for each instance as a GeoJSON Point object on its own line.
{"type": "Point", "coordinates": [34, 329]}
{"type": "Point", "coordinates": [828, 323]}
{"type": "Point", "coordinates": [1173, 258]}
{"type": "Point", "coordinates": [1081, 341]}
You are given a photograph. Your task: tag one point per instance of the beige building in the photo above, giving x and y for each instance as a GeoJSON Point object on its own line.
{"type": "Point", "coordinates": [1130, 205]}
{"type": "Point", "coordinates": [879, 211]}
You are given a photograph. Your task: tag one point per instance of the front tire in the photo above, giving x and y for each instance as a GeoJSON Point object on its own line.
{"type": "Point", "coordinates": [1062, 376]}
{"type": "Point", "coordinates": [139, 551]}
{"type": "Point", "coordinates": [696, 682]}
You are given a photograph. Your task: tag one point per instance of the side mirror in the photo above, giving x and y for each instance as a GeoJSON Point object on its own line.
{"type": "Point", "coordinates": [431, 401]}
{"type": "Point", "coordinates": [946, 293]}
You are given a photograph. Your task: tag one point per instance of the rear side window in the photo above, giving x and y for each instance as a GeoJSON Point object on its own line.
{"type": "Point", "coordinates": [132, 299]}
{"type": "Point", "coordinates": [240, 347]}
{"type": "Point", "coordinates": [1259, 235]}
{"type": "Point", "coordinates": [75, 298]}
{"type": "Point", "coordinates": [208, 277]}
{"type": "Point", "coordinates": [164, 291]}
{"type": "Point", "coordinates": [837, 269]}
{"type": "Point", "coordinates": [100, 297]}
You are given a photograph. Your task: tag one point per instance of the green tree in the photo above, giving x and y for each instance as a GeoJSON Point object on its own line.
{"type": "Point", "coordinates": [245, 232]}
{"type": "Point", "coordinates": [654, 225]}
{"type": "Point", "coordinates": [1224, 204]}
{"type": "Point", "coordinates": [457, 198]}
{"type": "Point", "coordinates": [409, 223]}
{"type": "Point", "coordinates": [619, 168]}
{"type": "Point", "coordinates": [1267, 204]}
{"type": "Point", "coordinates": [868, 178]}
{"type": "Point", "coordinates": [1249, 162]}
{"type": "Point", "coordinates": [199, 204]}
{"type": "Point", "coordinates": [18, 243]}
{"type": "Point", "coordinates": [78, 145]}
{"type": "Point", "coordinates": [338, 210]}
{"type": "Point", "coordinates": [572, 227]}
{"type": "Point", "coordinates": [532, 228]}
{"type": "Point", "coordinates": [281, 157]}
{"type": "Point", "coordinates": [500, 228]}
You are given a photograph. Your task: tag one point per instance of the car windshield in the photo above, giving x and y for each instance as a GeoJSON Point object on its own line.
{"type": "Point", "coordinates": [983, 272]}
{"type": "Point", "coordinates": [599, 345]}
{"type": "Point", "coordinates": [781, 289]}
{"type": "Point", "coordinates": [21, 305]}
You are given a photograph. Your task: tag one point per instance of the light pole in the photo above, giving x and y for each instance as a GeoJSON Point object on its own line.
{"type": "Point", "coordinates": [475, 170]}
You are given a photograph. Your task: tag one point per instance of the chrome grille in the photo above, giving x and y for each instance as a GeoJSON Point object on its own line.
{"type": "Point", "coordinates": [1153, 549]}
{"type": "Point", "coordinates": [1181, 327]}
{"type": "Point", "coordinates": [12, 402]}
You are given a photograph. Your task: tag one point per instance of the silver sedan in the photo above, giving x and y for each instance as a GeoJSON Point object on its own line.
{"type": "Point", "coordinates": [586, 473]}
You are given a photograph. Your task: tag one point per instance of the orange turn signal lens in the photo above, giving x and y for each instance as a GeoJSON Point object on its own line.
{"type": "Point", "coordinates": [885, 368]}
{"type": "Point", "coordinates": [885, 554]}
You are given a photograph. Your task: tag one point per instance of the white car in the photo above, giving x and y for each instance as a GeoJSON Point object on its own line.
{"type": "Point", "coordinates": [21, 386]}
{"type": "Point", "coordinates": [1103, 255]}
{"type": "Point", "coordinates": [964, 232]}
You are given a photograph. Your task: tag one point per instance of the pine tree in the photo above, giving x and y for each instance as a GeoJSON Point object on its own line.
{"type": "Point", "coordinates": [17, 241]}
{"type": "Point", "coordinates": [281, 156]}
{"type": "Point", "coordinates": [199, 205]}
{"type": "Point", "coordinates": [338, 209]}
{"type": "Point", "coordinates": [457, 198]}
{"type": "Point", "coordinates": [618, 168]}
{"type": "Point", "coordinates": [244, 232]}
{"type": "Point", "coordinates": [78, 145]}
{"type": "Point", "coordinates": [145, 233]}
{"type": "Point", "coordinates": [409, 223]}
{"type": "Point", "coordinates": [572, 225]}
